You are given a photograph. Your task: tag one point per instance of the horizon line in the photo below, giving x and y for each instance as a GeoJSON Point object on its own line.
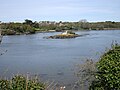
{"type": "Point", "coordinates": [21, 21]}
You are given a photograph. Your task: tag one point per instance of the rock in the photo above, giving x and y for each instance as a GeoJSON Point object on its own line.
{"type": "Point", "coordinates": [60, 73]}
{"type": "Point", "coordinates": [62, 36]}
{"type": "Point", "coordinates": [65, 35]}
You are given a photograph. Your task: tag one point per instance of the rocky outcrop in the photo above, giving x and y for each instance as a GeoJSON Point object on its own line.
{"type": "Point", "coordinates": [65, 35]}
{"type": "Point", "coordinates": [60, 36]}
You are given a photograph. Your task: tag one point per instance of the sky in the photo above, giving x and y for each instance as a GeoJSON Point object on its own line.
{"type": "Point", "coordinates": [59, 10]}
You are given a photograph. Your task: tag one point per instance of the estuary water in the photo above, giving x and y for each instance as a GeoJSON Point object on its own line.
{"type": "Point", "coordinates": [52, 59]}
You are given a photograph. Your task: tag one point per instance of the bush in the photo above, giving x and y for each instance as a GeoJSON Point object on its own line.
{"type": "Point", "coordinates": [8, 32]}
{"type": "Point", "coordinates": [20, 82]}
{"type": "Point", "coordinates": [108, 74]}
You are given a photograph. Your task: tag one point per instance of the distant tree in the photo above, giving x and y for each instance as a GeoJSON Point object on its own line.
{"type": "Point", "coordinates": [83, 20]}
{"type": "Point", "coordinates": [29, 22]}
{"type": "Point", "coordinates": [36, 24]}
{"type": "Point", "coordinates": [84, 24]}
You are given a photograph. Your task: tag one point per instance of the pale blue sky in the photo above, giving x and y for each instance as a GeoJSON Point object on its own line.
{"type": "Point", "coordinates": [57, 10]}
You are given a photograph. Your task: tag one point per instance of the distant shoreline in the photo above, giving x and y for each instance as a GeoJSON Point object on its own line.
{"type": "Point", "coordinates": [51, 31]}
{"type": "Point", "coordinates": [30, 27]}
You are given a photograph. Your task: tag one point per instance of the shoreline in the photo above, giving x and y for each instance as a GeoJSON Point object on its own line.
{"type": "Point", "coordinates": [55, 31]}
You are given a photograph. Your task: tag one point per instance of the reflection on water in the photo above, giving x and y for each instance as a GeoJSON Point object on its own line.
{"type": "Point", "coordinates": [52, 59]}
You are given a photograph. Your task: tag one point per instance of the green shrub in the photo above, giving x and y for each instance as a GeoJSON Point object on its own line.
{"type": "Point", "coordinates": [4, 85]}
{"type": "Point", "coordinates": [108, 74]}
{"type": "Point", "coordinates": [19, 82]}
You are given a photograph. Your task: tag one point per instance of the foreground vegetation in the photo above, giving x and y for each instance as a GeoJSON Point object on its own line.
{"type": "Point", "coordinates": [20, 82]}
{"type": "Point", "coordinates": [108, 71]}
{"type": "Point", "coordinates": [30, 27]}
{"type": "Point", "coordinates": [101, 75]}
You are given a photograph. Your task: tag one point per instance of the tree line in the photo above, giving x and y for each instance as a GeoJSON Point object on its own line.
{"type": "Point", "coordinates": [30, 27]}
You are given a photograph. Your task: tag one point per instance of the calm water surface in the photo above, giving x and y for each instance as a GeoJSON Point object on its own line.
{"type": "Point", "coordinates": [52, 59]}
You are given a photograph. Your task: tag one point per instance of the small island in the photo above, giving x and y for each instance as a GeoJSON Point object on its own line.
{"type": "Point", "coordinates": [64, 35]}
